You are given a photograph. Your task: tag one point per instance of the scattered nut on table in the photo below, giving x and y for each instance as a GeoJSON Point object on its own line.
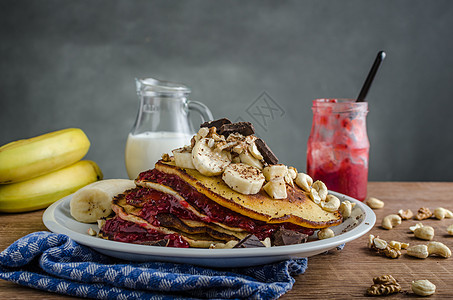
{"type": "Point", "coordinates": [405, 214]}
{"type": "Point", "coordinates": [382, 247]}
{"type": "Point", "coordinates": [439, 249]}
{"type": "Point", "coordinates": [423, 213]}
{"type": "Point", "coordinates": [390, 221]}
{"type": "Point", "coordinates": [419, 251]}
{"type": "Point", "coordinates": [433, 248]}
{"type": "Point", "coordinates": [423, 287]}
{"type": "Point", "coordinates": [375, 203]}
{"type": "Point", "coordinates": [450, 229]}
{"type": "Point", "coordinates": [418, 225]}
{"type": "Point", "coordinates": [384, 285]}
{"type": "Point", "coordinates": [441, 213]}
{"type": "Point", "coordinates": [398, 245]}
{"type": "Point", "coordinates": [424, 233]}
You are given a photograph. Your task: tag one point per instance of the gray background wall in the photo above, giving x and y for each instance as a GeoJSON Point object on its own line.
{"type": "Point", "coordinates": [73, 64]}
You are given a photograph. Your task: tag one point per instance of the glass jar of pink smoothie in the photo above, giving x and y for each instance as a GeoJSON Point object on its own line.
{"type": "Point", "coordinates": [338, 146]}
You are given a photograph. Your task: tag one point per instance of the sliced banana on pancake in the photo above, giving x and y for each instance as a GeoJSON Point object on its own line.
{"type": "Point", "coordinates": [183, 158]}
{"type": "Point", "coordinates": [207, 161]}
{"type": "Point", "coordinates": [243, 178]}
{"type": "Point", "coordinates": [93, 201]}
{"type": "Point", "coordinates": [247, 158]}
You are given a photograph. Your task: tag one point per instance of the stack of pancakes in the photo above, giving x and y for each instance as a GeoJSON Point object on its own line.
{"type": "Point", "coordinates": [179, 207]}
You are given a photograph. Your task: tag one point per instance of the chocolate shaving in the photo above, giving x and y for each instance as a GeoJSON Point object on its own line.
{"type": "Point", "coordinates": [283, 237]}
{"type": "Point", "coordinates": [250, 241]}
{"type": "Point", "coordinates": [266, 152]}
{"type": "Point", "coordinates": [244, 128]}
{"type": "Point", "coordinates": [216, 123]}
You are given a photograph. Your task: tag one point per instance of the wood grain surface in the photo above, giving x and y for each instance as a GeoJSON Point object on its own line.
{"type": "Point", "coordinates": [342, 274]}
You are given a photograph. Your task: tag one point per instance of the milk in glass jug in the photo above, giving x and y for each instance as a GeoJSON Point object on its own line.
{"type": "Point", "coordinates": [162, 123]}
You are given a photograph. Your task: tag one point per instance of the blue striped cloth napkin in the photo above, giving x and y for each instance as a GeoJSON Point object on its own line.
{"type": "Point", "coordinates": [55, 263]}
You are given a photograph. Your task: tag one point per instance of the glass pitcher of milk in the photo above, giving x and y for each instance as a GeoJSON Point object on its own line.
{"type": "Point", "coordinates": [162, 123]}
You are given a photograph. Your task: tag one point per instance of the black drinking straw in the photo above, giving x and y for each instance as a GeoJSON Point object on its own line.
{"type": "Point", "coordinates": [369, 80]}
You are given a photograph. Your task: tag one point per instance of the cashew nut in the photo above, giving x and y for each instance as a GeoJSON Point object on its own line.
{"type": "Point", "coordinates": [304, 181]}
{"type": "Point", "coordinates": [424, 233]}
{"type": "Point", "coordinates": [325, 233]}
{"type": "Point", "coordinates": [331, 203]}
{"type": "Point", "coordinates": [441, 213]}
{"type": "Point", "coordinates": [203, 132]}
{"type": "Point", "coordinates": [423, 287]}
{"type": "Point", "coordinates": [418, 225]}
{"type": "Point", "coordinates": [390, 221]}
{"type": "Point", "coordinates": [420, 251]}
{"type": "Point", "coordinates": [438, 248]}
{"type": "Point", "coordinates": [375, 203]}
{"type": "Point", "coordinates": [292, 172]}
{"type": "Point", "coordinates": [346, 209]}
{"type": "Point", "coordinates": [321, 188]}
{"type": "Point", "coordinates": [450, 229]}
{"type": "Point", "coordinates": [315, 196]}
{"type": "Point", "coordinates": [405, 214]}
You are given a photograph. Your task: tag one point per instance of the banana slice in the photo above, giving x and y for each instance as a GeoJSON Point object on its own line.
{"type": "Point", "coordinates": [247, 158]}
{"type": "Point", "coordinates": [183, 158]}
{"type": "Point", "coordinates": [93, 201]}
{"type": "Point", "coordinates": [243, 178]}
{"type": "Point", "coordinates": [207, 161]}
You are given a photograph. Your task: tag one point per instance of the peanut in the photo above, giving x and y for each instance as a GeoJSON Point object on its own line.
{"type": "Point", "coordinates": [398, 245]}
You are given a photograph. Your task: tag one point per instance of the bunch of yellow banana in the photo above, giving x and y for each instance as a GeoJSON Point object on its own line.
{"type": "Point", "coordinates": [36, 172]}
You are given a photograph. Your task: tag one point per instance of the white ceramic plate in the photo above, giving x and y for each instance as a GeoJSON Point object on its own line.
{"type": "Point", "coordinates": [58, 219]}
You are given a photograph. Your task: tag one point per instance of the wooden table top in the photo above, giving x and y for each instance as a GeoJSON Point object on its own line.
{"type": "Point", "coordinates": [337, 275]}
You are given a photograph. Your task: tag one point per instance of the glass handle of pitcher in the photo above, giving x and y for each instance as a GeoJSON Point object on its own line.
{"type": "Point", "coordinates": [202, 109]}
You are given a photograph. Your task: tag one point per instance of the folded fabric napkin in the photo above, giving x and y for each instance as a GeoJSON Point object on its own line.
{"type": "Point", "coordinates": [53, 262]}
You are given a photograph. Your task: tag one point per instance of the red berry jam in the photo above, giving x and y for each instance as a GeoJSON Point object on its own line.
{"type": "Point", "coordinates": [214, 211]}
{"type": "Point", "coordinates": [121, 230]}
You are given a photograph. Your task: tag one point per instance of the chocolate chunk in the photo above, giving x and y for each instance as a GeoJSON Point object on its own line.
{"type": "Point", "coordinates": [266, 152]}
{"type": "Point", "coordinates": [244, 128]}
{"type": "Point", "coordinates": [160, 243]}
{"type": "Point", "coordinates": [216, 123]}
{"type": "Point", "coordinates": [284, 237]}
{"type": "Point", "coordinates": [250, 241]}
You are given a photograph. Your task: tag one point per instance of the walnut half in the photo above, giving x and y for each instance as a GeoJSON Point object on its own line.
{"type": "Point", "coordinates": [384, 285]}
